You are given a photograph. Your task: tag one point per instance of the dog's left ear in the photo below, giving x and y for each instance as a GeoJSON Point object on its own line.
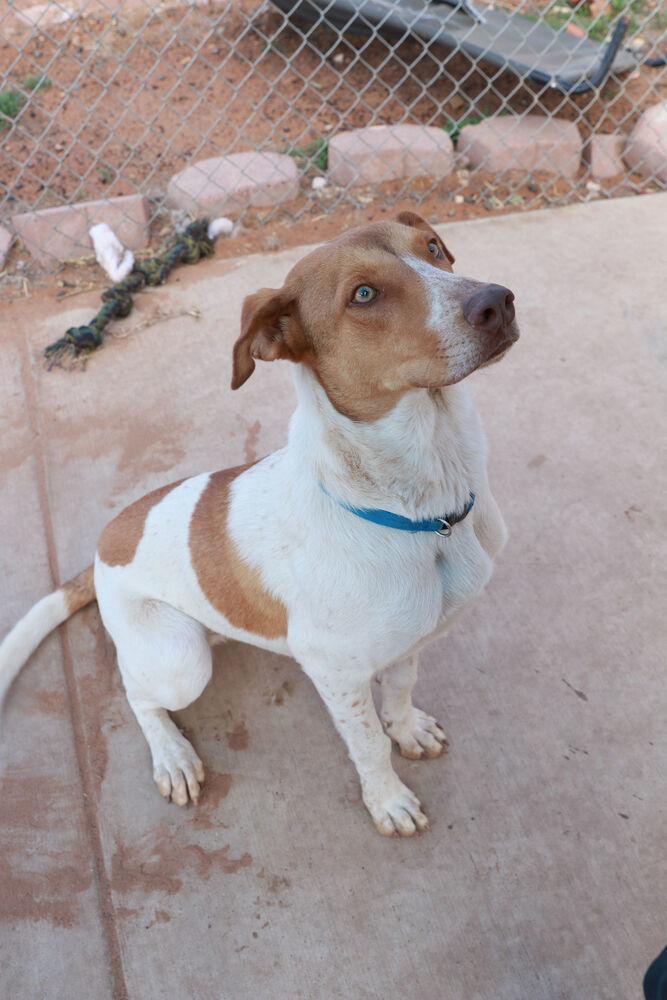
{"type": "Point", "coordinates": [270, 329]}
{"type": "Point", "coordinates": [416, 222]}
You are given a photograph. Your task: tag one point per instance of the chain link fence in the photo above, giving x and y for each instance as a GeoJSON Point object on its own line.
{"type": "Point", "coordinates": [105, 99]}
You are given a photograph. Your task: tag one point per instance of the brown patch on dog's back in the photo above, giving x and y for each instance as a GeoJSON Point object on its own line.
{"type": "Point", "coordinates": [120, 539]}
{"type": "Point", "coordinates": [233, 587]}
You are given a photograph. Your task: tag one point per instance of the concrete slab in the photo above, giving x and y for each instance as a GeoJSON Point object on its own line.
{"type": "Point", "coordinates": [541, 876]}
{"type": "Point", "coordinates": [51, 925]}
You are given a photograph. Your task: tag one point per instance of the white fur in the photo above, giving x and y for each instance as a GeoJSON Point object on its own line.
{"type": "Point", "coordinates": [27, 634]}
{"type": "Point", "coordinates": [361, 599]}
{"type": "Point", "coordinates": [444, 291]}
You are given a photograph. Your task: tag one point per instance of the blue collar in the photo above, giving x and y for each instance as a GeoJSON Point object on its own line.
{"type": "Point", "coordinates": [441, 525]}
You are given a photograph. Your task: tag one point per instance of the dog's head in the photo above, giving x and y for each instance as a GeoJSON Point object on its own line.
{"type": "Point", "coordinates": [377, 313]}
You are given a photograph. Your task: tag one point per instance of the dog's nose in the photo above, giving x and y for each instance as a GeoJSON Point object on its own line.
{"type": "Point", "coordinates": [491, 309]}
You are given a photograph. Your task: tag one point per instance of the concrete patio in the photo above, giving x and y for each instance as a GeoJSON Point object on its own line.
{"type": "Point", "coordinates": [544, 874]}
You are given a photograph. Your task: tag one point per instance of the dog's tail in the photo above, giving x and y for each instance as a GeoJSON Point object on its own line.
{"type": "Point", "coordinates": [46, 615]}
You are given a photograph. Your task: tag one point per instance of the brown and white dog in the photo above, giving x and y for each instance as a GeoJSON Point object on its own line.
{"type": "Point", "coordinates": [381, 333]}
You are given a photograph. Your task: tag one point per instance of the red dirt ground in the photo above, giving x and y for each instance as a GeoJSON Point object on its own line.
{"type": "Point", "coordinates": [135, 97]}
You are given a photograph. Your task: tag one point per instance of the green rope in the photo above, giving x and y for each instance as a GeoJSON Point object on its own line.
{"type": "Point", "coordinates": [190, 247]}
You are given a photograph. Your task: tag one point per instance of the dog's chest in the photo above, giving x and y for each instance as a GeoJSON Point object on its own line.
{"type": "Point", "coordinates": [390, 600]}
{"type": "Point", "coordinates": [463, 570]}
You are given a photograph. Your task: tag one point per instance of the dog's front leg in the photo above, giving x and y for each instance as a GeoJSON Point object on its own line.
{"type": "Point", "coordinates": [488, 522]}
{"type": "Point", "coordinates": [394, 808]}
{"type": "Point", "coordinates": [416, 733]}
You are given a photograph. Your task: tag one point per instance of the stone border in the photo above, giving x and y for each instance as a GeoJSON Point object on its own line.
{"type": "Point", "coordinates": [229, 184]}
{"type": "Point", "coordinates": [62, 232]}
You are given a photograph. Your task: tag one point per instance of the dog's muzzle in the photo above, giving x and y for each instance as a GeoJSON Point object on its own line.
{"type": "Point", "coordinates": [491, 310]}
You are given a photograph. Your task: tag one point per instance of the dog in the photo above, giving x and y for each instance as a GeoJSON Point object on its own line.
{"type": "Point", "coordinates": [349, 549]}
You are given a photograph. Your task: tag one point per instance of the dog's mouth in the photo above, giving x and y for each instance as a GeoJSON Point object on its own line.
{"type": "Point", "coordinates": [510, 336]}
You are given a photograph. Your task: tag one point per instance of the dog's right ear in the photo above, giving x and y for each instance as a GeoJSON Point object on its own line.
{"type": "Point", "coordinates": [416, 222]}
{"type": "Point", "coordinates": [270, 329]}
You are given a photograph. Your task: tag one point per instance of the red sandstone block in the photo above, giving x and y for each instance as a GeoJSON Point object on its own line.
{"type": "Point", "coordinates": [389, 152]}
{"type": "Point", "coordinates": [528, 143]}
{"type": "Point", "coordinates": [603, 155]}
{"type": "Point", "coordinates": [61, 233]}
{"type": "Point", "coordinates": [228, 184]}
{"type": "Point", "coordinates": [646, 151]}
{"type": "Point", "coordinates": [43, 14]}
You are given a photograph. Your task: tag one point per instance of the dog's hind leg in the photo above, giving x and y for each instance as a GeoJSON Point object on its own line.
{"type": "Point", "coordinates": [416, 733]}
{"type": "Point", "coordinates": [177, 770]}
{"type": "Point", "coordinates": [165, 662]}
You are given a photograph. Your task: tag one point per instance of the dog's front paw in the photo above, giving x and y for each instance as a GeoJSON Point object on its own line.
{"type": "Point", "coordinates": [178, 771]}
{"type": "Point", "coordinates": [396, 811]}
{"type": "Point", "coordinates": [417, 735]}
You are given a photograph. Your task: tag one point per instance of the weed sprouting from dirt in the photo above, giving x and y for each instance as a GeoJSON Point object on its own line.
{"type": "Point", "coordinates": [11, 102]}
{"type": "Point", "coordinates": [313, 154]}
{"type": "Point", "coordinates": [36, 82]}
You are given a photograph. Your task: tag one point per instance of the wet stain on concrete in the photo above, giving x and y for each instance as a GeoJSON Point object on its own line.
{"type": "Point", "coordinates": [50, 702]}
{"type": "Point", "coordinates": [146, 446]}
{"type": "Point", "coordinates": [161, 917]}
{"type": "Point", "coordinates": [274, 886]}
{"type": "Point", "coordinates": [48, 894]}
{"type": "Point", "coordinates": [13, 458]}
{"type": "Point", "coordinates": [237, 738]}
{"type": "Point", "coordinates": [36, 883]}
{"type": "Point", "coordinates": [158, 865]}
{"type": "Point", "coordinates": [276, 883]}
{"type": "Point", "coordinates": [216, 787]}
{"type": "Point", "coordinates": [278, 697]}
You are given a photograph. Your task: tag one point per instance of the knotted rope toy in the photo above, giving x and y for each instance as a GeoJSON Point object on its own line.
{"type": "Point", "coordinates": [190, 246]}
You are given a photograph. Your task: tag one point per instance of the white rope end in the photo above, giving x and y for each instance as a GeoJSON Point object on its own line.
{"type": "Point", "coordinates": [110, 252]}
{"type": "Point", "coordinates": [220, 227]}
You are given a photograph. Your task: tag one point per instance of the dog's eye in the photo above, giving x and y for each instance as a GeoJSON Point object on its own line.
{"type": "Point", "coordinates": [435, 249]}
{"type": "Point", "coordinates": [364, 293]}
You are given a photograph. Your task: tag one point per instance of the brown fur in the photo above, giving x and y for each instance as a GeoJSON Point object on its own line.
{"type": "Point", "coordinates": [79, 591]}
{"type": "Point", "coordinates": [232, 586]}
{"type": "Point", "coordinates": [119, 541]}
{"type": "Point", "coordinates": [347, 366]}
